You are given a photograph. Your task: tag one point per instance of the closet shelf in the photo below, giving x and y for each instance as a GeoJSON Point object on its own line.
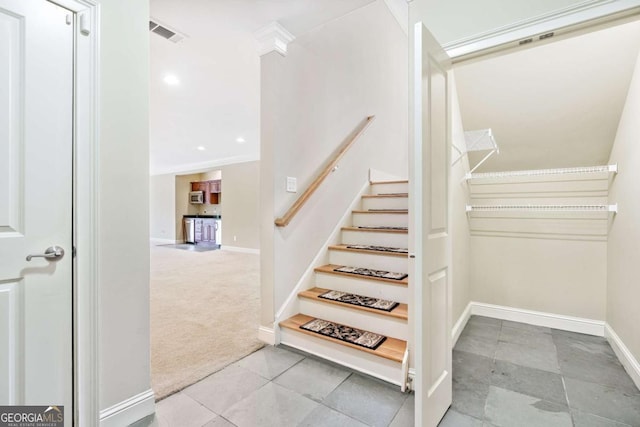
{"type": "Point", "coordinates": [542, 208]}
{"type": "Point", "coordinates": [608, 169]}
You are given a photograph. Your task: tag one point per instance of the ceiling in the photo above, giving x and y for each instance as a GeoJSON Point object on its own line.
{"type": "Point", "coordinates": [555, 105]}
{"type": "Point", "coordinates": [217, 99]}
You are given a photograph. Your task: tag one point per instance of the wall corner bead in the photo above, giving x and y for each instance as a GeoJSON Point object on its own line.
{"type": "Point", "coordinates": [273, 38]}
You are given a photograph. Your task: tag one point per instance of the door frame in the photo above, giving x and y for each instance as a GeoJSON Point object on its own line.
{"type": "Point", "coordinates": [86, 96]}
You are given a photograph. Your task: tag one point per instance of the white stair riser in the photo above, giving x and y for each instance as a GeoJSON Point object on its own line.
{"type": "Point", "coordinates": [345, 315]}
{"type": "Point", "coordinates": [380, 219]}
{"type": "Point", "coordinates": [370, 288]}
{"type": "Point", "coordinates": [377, 262]}
{"type": "Point", "coordinates": [385, 203]}
{"type": "Point", "coordinates": [389, 188]}
{"type": "Point", "coordinates": [393, 240]}
{"type": "Point", "coordinates": [357, 360]}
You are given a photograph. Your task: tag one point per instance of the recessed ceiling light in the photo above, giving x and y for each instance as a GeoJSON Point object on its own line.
{"type": "Point", "coordinates": [171, 80]}
{"type": "Point", "coordinates": [240, 140]}
{"type": "Point", "coordinates": [200, 148]}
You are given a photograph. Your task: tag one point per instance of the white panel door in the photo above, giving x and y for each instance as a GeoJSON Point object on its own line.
{"type": "Point", "coordinates": [36, 81]}
{"type": "Point", "coordinates": [430, 230]}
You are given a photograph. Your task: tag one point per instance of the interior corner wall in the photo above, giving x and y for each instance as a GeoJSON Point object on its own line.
{"type": "Point", "coordinates": [331, 79]}
{"type": "Point", "coordinates": [123, 201]}
{"type": "Point", "coordinates": [460, 225]}
{"type": "Point", "coordinates": [162, 198]}
{"type": "Point", "coordinates": [623, 274]}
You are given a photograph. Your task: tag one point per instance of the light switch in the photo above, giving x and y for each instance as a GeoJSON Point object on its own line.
{"type": "Point", "coordinates": [292, 185]}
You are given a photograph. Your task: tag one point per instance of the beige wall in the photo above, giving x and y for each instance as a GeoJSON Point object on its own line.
{"type": "Point", "coordinates": [162, 213]}
{"type": "Point", "coordinates": [623, 289]}
{"type": "Point", "coordinates": [239, 205]}
{"type": "Point", "coordinates": [556, 276]}
{"type": "Point", "coordinates": [123, 192]}
{"type": "Point", "coordinates": [331, 79]}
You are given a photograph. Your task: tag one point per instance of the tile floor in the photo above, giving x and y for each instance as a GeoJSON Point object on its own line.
{"type": "Point", "coordinates": [505, 374]}
{"type": "Point", "coordinates": [508, 374]}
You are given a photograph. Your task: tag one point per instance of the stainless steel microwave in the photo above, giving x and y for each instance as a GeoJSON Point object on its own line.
{"type": "Point", "coordinates": [196, 197]}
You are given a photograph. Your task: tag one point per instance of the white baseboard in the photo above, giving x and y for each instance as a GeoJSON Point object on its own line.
{"type": "Point", "coordinates": [239, 249]}
{"type": "Point", "coordinates": [539, 318]}
{"type": "Point", "coordinates": [630, 363]}
{"type": "Point", "coordinates": [159, 241]}
{"type": "Point", "coordinates": [460, 324]}
{"type": "Point", "coordinates": [129, 411]}
{"type": "Point", "coordinates": [267, 335]}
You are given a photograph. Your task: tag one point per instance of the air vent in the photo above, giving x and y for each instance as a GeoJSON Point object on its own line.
{"type": "Point", "coordinates": [165, 31]}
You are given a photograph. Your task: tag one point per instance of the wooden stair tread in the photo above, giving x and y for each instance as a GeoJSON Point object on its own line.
{"type": "Point", "coordinates": [402, 181]}
{"type": "Point", "coordinates": [328, 269]}
{"type": "Point", "coordinates": [391, 348]}
{"type": "Point", "coordinates": [375, 230]}
{"type": "Point", "coordinates": [400, 312]}
{"type": "Point", "coordinates": [383, 211]}
{"type": "Point", "coordinates": [386, 196]}
{"type": "Point", "coordinates": [346, 248]}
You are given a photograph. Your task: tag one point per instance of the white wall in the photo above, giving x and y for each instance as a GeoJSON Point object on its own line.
{"type": "Point", "coordinates": [123, 191]}
{"type": "Point", "coordinates": [162, 215]}
{"type": "Point", "coordinates": [623, 289]}
{"type": "Point", "coordinates": [331, 79]}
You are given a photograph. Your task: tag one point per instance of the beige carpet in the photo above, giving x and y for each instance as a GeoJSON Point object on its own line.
{"type": "Point", "coordinates": [204, 314]}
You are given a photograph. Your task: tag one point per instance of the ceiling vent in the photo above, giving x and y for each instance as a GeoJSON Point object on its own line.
{"type": "Point", "coordinates": [165, 31]}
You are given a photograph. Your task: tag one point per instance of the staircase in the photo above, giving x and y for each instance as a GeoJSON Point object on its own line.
{"type": "Point", "coordinates": [382, 221]}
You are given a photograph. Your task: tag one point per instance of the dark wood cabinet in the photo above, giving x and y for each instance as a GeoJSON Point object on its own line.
{"type": "Point", "coordinates": [211, 190]}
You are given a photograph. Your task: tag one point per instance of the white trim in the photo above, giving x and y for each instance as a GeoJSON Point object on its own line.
{"type": "Point", "coordinates": [160, 241]}
{"type": "Point", "coordinates": [625, 356]}
{"type": "Point", "coordinates": [203, 166]}
{"type": "Point", "coordinates": [273, 38]}
{"type": "Point", "coordinates": [539, 318]}
{"type": "Point", "coordinates": [129, 411]}
{"type": "Point", "coordinates": [239, 249]}
{"type": "Point", "coordinates": [267, 335]}
{"type": "Point", "coordinates": [460, 324]}
{"type": "Point", "coordinates": [86, 208]}
{"type": "Point", "coordinates": [564, 18]}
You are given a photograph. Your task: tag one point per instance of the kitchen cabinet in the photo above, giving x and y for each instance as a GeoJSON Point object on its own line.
{"type": "Point", "coordinates": [211, 190]}
{"type": "Point", "coordinates": [204, 229]}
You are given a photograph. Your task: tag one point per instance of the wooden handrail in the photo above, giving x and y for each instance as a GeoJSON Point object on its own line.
{"type": "Point", "coordinates": [304, 197]}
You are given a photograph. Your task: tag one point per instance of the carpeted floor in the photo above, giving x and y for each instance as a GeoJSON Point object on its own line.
{"type": "Point", "coordinates": [204, 314]}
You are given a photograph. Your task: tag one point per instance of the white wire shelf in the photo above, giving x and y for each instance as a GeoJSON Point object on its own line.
{"type": "Point", "coordinates": [542, 208]}
{"type": "Point", "coordinates": [542, 172]}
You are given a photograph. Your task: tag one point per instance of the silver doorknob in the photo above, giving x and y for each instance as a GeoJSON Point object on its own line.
{"type": "Point", "coordinates": [52, 253]}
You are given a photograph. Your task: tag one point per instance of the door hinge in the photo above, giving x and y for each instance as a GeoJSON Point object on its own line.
{"type": "Point", "coordinates": [73, 252]}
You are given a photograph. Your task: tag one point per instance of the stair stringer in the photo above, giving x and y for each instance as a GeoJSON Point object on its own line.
{"type": "Point", "coordinates": [291, 305]}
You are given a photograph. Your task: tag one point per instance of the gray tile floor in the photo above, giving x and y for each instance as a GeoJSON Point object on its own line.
{"type": "Point", "coordinates": [508, 374]}
{"type": "Point", "coordinates": [282, 387]}
{"type": "Point", "coordinates": [505, 374]}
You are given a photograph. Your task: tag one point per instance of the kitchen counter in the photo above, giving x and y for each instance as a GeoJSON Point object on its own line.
{"type": "Point", "coordinates": [203, 216]}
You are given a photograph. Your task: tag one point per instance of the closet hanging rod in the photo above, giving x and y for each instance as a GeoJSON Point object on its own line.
{"type": "Point", "coordinates": [540, 172]}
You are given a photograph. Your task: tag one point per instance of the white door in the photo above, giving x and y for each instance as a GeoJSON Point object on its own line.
{"type": "Point", "coordinates": [431, 275]}
{"type": "Point", "coordinates": [36, 58]}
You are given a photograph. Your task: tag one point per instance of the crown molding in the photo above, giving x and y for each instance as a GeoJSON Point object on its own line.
{"type": "Point", "coordinates": [273, 38]}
